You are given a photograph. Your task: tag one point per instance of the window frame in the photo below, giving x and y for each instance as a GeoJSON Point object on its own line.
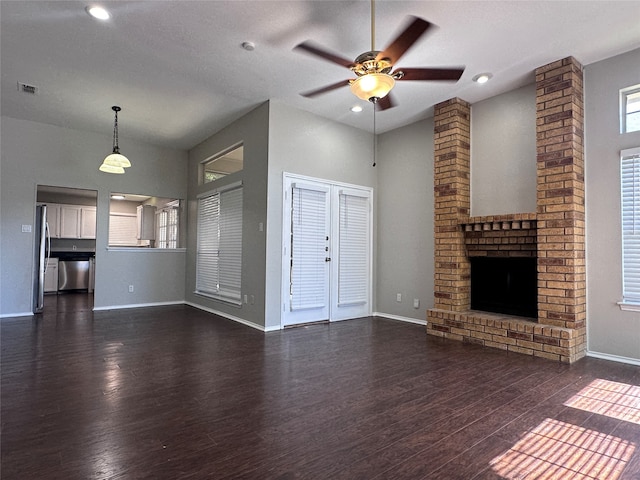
{"type": "Point", "coordinates": [625, 93]}
{"type": "Point", "coordinates": [218, 275]}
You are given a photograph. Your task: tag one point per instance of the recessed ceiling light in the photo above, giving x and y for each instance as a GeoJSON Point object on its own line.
{"type": "Point", "coordinates": [482, 77]}
{"type": "Point", "coordinates": [356, 109]}
{"type": "Point", "coordinates": [249, 46]}
{"type": "Point", "coordinates": [98, 12]}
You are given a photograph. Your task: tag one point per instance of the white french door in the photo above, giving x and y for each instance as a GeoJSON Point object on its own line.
{"type": "Point", "coordinates": [327, 251]}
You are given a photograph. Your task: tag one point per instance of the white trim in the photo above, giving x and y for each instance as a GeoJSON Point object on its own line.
{"type": "Point", "coordinates": [231, 317]}
{"type": "Point", "coordinates": [145, 249]}
{"type": "Point", "coordinates": [137, 305]}
{"type": "Point", "coordinates": [629, 307]}
{"type": "Point", "coordinates": [614, 358]}
{"type": "Point", "coordinates": [398, 317]}
{"type": "Point", "coordinates": [23, 314]}
{"type": "Point", "coordinates": [630, 152]}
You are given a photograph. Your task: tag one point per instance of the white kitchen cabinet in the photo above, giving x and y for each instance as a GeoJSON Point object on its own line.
{"type": "Point", "coordinates": [88, 222]}
{"type": "Point", "coordinates": [51, 276]}
{"type": "Point", "coordinates": [53, 219]}
{"type": "Point", "coordinates": [77, 221]}
{"type": "Point", "coordinates": [69, 221]}
{"type": "Point", "coordinates": [146, 222]}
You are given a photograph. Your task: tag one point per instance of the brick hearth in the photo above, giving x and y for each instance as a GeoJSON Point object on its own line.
{"type": "Point", "coordinates": [554, 234]}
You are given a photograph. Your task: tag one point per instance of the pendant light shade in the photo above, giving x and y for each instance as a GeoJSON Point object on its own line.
{"type": "Point", "coordinates": [115, 162]}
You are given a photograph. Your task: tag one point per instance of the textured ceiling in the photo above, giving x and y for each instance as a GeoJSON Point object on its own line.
{"type": "Point", "coordinates": [179, 73]}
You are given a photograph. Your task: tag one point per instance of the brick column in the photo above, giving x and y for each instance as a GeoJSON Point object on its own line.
{"type": "Point", "coordinates": [561, 209]}
{"type": "Point", "coordinates": [452, 137]}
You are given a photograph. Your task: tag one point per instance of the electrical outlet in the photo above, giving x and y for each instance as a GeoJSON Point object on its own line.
{"type": "Point", "coordinates": [398, 297]}
{"type": "Point", "coordinates": [416, 303]}
{"type": "Point", "coordinates": [130, 288]}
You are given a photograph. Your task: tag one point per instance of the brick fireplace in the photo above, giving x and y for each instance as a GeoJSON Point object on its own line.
{"type": "Point", "coordinates": [554, 234]}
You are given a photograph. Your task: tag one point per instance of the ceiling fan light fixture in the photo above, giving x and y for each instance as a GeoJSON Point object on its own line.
{"type": "Point", "coordinates": [372, 86]}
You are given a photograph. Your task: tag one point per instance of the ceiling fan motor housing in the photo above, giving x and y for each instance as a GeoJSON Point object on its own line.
{"type": "Point", "coordinates": [368, 62]}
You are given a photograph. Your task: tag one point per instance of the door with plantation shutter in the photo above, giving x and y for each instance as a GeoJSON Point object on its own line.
{"type": "Point", "coordinates": [351, 273]}
{"type": "Point", "coordinates": [327, 252]}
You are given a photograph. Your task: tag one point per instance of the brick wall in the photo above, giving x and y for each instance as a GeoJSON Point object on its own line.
{"type": "Point", "coordinates": [555, 231]}
{"type": "Point", "coordinates": [452, 199]}
{"type": "Point", "coordinates": [561, 210]}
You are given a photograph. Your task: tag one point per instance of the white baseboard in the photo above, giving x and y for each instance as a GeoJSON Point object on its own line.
{"type": "Point", "coordinates": [231, 317]}
{"type": "Point", "coordinates": [398, 317]}
{"type": "Point", "coordinates": [23, 314]}
{"type": "Point", "coordinates": [137, 305]}
{"type": "Point", "coordinates": [614, 358]}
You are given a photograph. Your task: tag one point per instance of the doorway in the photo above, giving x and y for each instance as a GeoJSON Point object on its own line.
{"type": "Point", "coordinates": [64, 260]}
{"type": "Point", "coordinates": [326, 262]}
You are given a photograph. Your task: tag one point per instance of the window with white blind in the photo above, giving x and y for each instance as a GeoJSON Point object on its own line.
{"type": "Point", "coordinates": [122, 229]}
{"type": "Point", "coordinates": [167, 226]}
{"type": "Point", "coordinates": [630, 188]}
{"type": "Point", "coordinates": [219, 244]}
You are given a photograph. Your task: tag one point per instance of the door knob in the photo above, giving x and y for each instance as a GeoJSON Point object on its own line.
{"type": "Point", "coordinates": [327, 259]}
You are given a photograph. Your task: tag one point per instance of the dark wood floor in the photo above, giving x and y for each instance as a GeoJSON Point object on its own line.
{"type": "Point", "coordinates": [176, 393]}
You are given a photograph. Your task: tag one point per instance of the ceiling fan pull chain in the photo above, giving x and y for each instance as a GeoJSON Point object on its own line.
{"type": "Point", "coordinates": [375, 140]}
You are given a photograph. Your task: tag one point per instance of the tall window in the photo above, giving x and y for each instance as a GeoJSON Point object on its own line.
{"type": "Point", "coordinates": [167, 226]}
{"type": "Point", "coordinates": [630, 109]}
{"type": "Point", "coordinates": [630, 178]}
{"type": "Point", "coordinates": [219, 244]}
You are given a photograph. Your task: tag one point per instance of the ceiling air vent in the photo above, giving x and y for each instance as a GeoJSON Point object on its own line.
{"type": "Point", "coordinates": [26, 88]}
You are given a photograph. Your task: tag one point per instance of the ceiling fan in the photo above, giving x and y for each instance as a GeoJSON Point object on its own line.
{"type": "Point", "coordinates": [373, 69]}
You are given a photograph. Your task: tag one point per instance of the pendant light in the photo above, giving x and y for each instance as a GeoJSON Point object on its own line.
{"type": "Point", "coordinates": [115, 162]}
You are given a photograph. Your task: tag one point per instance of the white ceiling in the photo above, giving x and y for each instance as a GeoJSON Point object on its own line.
{"type": "Point", "coordinates": [179, 73]}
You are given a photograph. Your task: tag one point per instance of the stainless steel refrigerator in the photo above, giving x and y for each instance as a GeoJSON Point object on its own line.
{"type": "Point", "coordinates": [42, 251]}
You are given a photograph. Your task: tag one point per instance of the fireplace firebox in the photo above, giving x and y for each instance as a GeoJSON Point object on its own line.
{"type": "Point", "coordinates": [505, 285]}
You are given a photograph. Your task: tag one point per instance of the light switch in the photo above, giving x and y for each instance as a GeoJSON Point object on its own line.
{"type": "Point", "coordinates": [26, 228]}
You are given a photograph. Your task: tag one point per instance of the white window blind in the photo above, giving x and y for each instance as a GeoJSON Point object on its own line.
{"type": "Point", "coordinates": [219, 252]}
{"type": "Point", "coordinates": [123, 229]}
{"type": "Point", "coordinates": [308, 248]}
{"type": "Point", "coordinates": [630, 188]}
{"type": "Point", "coordinates": [353, 237]}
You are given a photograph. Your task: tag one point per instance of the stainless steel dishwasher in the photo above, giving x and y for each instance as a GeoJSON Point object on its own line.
{"type": "Point", "coordinates": [73, 274]}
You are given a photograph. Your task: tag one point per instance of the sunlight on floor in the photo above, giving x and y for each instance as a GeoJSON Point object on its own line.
{"type": "Point", "coordinates": [613, 399]}
{"type": "Point", "coordinates": [559, 450]}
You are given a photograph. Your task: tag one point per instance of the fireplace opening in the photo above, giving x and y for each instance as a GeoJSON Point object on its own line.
{"type": "Point", "coordinates": [506, 285]}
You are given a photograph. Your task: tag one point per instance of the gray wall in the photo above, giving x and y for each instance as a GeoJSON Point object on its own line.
{"type": "Point", "coordinates": [306, 144]}
{"type": "Point", "coordinates": [610, 330]}
{"type": "Point", "coordinates": [38, 154]}
{"type": "Point", "coordinates": [405, 220]}
{"type": "Point", "coordinates": [503, 153]}
{"type": "Point", "coordinates": [252, 130]}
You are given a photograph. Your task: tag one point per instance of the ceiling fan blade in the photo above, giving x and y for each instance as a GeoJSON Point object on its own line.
{"type": "Point", "coordinates": [412, 32]}
{"type": "Point", "coordinates": [325, 89]}
{"type": "Point", "coordinates": [385, 102]}
{"type": "Point", "coordinates": [313, 49]}
{"type": "Point", "coordinates": [430, 73]}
